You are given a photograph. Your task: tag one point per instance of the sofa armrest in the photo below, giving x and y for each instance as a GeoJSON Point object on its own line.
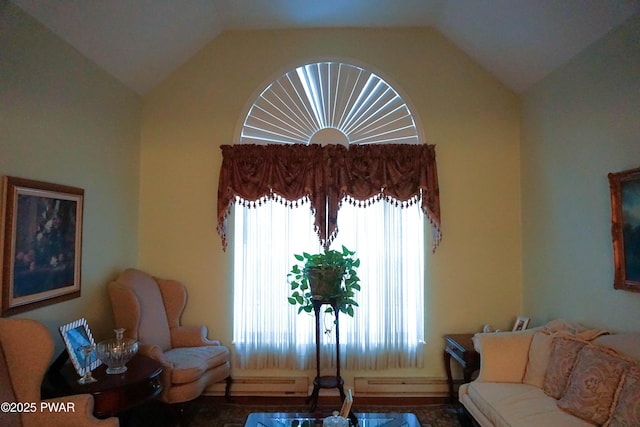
{"type": "Point", "coordinates": [190, 336]}
{"type": "Point", "coordinates": [503, 356]}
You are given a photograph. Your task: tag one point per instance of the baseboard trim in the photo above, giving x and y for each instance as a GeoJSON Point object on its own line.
{"type": "Point", "coordinates": [263, 386]}
{"type": "Point", "coordinates": [383, 387]}
{"type": "Point", "coordinates": [400, 386]}
{"type": "Point", "coordinates": [327, 400]}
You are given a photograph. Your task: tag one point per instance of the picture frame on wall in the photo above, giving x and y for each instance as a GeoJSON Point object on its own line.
{"type": "Point", "coordinates": [625, 228]}
{"type": "Point", "coordinates": [75, 336]}
{"type": "Point", "coordinates": [42, 243]}
{"type": "Point", "coordinates": [521, 323]}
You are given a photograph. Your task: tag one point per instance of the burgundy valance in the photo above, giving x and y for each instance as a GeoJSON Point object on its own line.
{"type": "Point", "coordinates": [327, 176]}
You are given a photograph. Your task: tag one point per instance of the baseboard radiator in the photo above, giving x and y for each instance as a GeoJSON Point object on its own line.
{"type": "Point", "coordinates": [362, 386]}
{"type": "Point", "coordinates": [400, 386]}
{"type": "Point", "coordinates": [263, 386]}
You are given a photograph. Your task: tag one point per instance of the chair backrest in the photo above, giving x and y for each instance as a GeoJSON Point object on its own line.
{"type": "Point", "coordinates": [138, 307]}
{"type": "Point", "coordinates": [7, 418]}
{"type": "Point", "coordinates": [27, 348]}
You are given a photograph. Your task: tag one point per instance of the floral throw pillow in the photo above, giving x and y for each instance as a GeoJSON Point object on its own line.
{"type": "Point", "coordinates": [626, 412]}
{"type": "Point", "coordinates": [593, 384]}
{"type": "Point", "coordinates": [564, 352]}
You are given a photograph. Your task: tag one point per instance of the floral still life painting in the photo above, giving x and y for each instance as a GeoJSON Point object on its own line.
{"type": "Point", "coordinates": [625, 218]}
{"type": "Point", "coordinates": [42, 244]}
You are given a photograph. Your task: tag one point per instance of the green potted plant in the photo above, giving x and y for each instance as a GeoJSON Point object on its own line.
{"type": "Point", "coordinates": [327, 276]}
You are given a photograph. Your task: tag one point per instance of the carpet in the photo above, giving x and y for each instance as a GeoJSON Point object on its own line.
{"type": "Point", "coordinates": [217, 414]}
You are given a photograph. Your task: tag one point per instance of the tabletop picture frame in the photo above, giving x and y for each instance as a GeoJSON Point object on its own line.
{"type": "Point", "coordinates": [42, 243]}
{"type": "Point", "coordinates": [625, 228]}
{"type": "Point", "coordinates": [76, 335]}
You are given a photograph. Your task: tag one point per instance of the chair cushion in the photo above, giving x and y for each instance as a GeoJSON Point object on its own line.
{"type": "Point", "coordinates": [7, 418]}
{"type": "Point", "coordinates": [189, 363]}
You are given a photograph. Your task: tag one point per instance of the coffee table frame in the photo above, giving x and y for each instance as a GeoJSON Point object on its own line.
{"type": "Point", "coordinates": [386, 419]}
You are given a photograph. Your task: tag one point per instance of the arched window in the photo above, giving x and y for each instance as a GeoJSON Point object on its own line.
{"type": "Point", "coordinates": [330, 103]}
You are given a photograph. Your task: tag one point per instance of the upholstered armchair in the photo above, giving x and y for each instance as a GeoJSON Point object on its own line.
{"type": "Point", "coordinates": [149, 308]}
{"type": "Point", "coordinates": [26, 348]}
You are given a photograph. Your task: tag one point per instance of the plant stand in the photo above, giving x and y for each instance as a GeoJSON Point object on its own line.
{"type": "Point", "coordinates": [329, 381]}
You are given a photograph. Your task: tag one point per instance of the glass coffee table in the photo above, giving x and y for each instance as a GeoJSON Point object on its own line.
{"type": "Point", "coordinates": [284, 419]}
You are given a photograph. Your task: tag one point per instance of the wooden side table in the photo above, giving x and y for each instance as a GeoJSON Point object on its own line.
{"type": "Point", "coordinates": [460, 348]}
{"type": "Point", "coordinates": [113, 394]}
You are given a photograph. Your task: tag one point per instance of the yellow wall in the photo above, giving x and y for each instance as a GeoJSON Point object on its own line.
{"type": "Point", "coordinates": [64, 120]}
{"type": "Point", "coordinates": [579, 124]}
{"type": "Point", "coordinates": [474, 278]}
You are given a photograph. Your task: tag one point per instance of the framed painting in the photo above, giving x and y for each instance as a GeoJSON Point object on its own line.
{"type": "Point", "coordinates": [42, 244]}
{"type": "Point", "coordinates": [625, 228]}
{"type": "Point", "coordinates": [77, 335]}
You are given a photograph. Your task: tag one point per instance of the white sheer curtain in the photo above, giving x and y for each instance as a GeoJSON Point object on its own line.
{"type": "Point", "coordinates": [388, 328]}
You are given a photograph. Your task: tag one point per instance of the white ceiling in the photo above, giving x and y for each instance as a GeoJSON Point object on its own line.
{"type": "Point", "coordinates": [140, 42]}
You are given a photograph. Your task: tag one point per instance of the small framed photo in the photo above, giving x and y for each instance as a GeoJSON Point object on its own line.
{"type": "Point", "coordinates": [75, 336]}
{"type": "Point", "coordinates": [42, 244]}
{"type": "Point", "coordinates": [521, 323]}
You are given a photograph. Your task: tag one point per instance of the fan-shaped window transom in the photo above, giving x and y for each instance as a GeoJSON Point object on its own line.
{"type": "Point", "coordinates": [359, 106]}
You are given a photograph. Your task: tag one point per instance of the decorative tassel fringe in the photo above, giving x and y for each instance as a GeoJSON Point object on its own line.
{"type": "Point", "coordinates": [222, 224]}
{"type": "Point", "coordinates": [251, 204]}
{"type": "Point", "coordinates": [378, 197]}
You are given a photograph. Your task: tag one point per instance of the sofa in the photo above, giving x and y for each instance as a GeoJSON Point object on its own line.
{"type": "Point", "coordinates": [561, 374]}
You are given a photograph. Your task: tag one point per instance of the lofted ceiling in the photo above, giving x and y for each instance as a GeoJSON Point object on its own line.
{"type": "Point", "coordinates": [140, 42]}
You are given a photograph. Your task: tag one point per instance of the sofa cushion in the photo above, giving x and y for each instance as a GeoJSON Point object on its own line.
{"type": "Point", "coordinates": [564, 353]}
{"type": "Point", "coordinates": [626, 411]}
{"type": "Point", "coordinates": [627, 343]}
{"type": "Point", "coordinates": [593, 383]}
{"type": "Point", "coordinates": [504, 356]}
{"type": "Point", "coordinates": [539, 353]}
{"type": "Point", "coordinates": [518, 405]}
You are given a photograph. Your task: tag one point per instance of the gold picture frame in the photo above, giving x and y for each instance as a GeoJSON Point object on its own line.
{"type": "Point", "coordinates": [42, 243]}
{"type": "Point", "coordinates": [625, 228]}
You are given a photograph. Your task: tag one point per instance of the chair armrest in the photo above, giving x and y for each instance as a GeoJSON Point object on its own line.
{"type": "Point", "coordinates": [191, 336]}
{"type": "Point", "coordinates": [68, 411]}
{"type": "Point", "coordinates": [503, 356]}
{"type": "Point", "coordinates": [154, 352]}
